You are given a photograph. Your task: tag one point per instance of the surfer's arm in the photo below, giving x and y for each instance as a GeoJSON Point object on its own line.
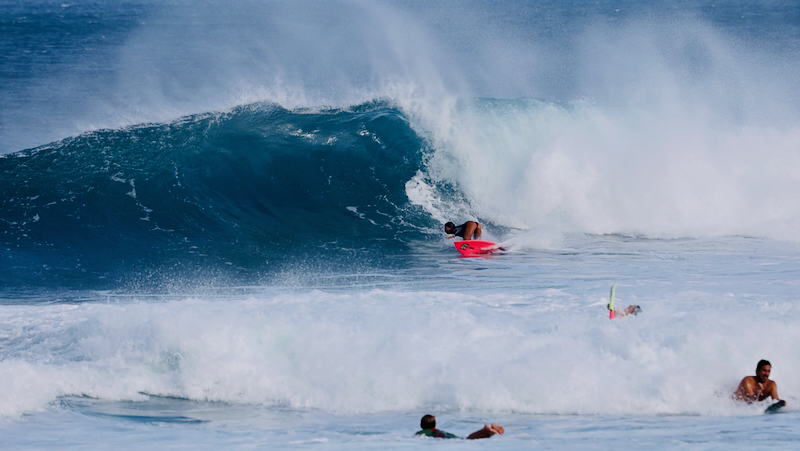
{"type": "Point", "coordinates": [450, 237]}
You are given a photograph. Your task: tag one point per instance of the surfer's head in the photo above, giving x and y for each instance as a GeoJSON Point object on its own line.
{"type": "Point", "coordinates": [449, 226]}
{"type": "Point", "coordinates": [763, 369]}
{"type": "Point", "coordinates": [634, 309]}
{"type": "Point", "coordinates": [428, 422]}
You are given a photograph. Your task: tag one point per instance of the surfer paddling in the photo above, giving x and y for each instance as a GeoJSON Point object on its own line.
{"type": "Point", "coordinates": [759, 387]}
{"type": "Point", "coordinates": [469, 230]}
{"type": "Point", "coordinates": [428, 425]}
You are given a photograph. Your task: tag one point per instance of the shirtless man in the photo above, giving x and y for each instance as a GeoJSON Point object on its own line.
{"type": "Point", "coordinates": [469, 230]}
{"type": "Point", "coordinates": [758, 387]}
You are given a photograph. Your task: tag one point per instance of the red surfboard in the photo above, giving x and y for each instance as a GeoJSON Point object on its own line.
{"type": "Point", "coordinates": [476, 247]}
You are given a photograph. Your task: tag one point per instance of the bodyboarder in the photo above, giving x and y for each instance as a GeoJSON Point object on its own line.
{"type": "Point", "coordinates": [759, 387]}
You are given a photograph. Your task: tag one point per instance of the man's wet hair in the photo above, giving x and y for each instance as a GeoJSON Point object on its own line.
{"type": "Point", "coordinates": [428, 422]}
{"type": "Point", "coordinates": [762, 363]}
{"type": "Point", "coordinates": [449, 225]}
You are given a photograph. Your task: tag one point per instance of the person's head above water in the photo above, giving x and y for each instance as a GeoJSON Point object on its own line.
{"type": "Point", "coordinates": [428, 422]}
{"type": "Point", "coordinates": [763, 369]}
{"type": "Point", "coordinates": [449, 226]}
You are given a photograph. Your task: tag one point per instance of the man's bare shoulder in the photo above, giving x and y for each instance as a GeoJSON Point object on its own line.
{"type": "Point", "coordinates": [748, 380]}
{"type": "Point", "coordinates": [746, 390]}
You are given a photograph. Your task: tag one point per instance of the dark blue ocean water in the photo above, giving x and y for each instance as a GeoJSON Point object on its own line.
{"type": "Point", "coordinates": [246, 191]}
{"type": "Point", "coordinates": [221, 222]}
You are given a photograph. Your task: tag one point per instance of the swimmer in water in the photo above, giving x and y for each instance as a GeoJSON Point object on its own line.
{"type": "Point", "coordinates": [759, 387]}
{"type": "Point", "coordinates": [428, 424]}
{"type": "Point", "coordinates": [629, 310]}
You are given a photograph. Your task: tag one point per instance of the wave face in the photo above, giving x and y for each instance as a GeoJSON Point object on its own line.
{"type": "Point", "coordinates": [251, 189]}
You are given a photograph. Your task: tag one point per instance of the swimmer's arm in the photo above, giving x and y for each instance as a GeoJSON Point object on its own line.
{"type": "Point", "coordinates": [450, 237]}
{"type": "Point", "coordinates": [487, 431]}
{"type": "Point", "coordinates": [773, 391]}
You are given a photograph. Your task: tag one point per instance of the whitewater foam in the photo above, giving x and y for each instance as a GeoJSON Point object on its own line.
{"type": "Point", "coordinates": [528, 351]}
{"type": "Point", "coordinates": [582, 168]}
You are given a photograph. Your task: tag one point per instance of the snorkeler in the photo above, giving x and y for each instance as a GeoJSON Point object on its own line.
{"type": "Point", "coordinates": [469, 230]}
{"type": "Point", "coordinates": [757, 388]}
{"type": "Point", "coordinates": [428, 425]}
